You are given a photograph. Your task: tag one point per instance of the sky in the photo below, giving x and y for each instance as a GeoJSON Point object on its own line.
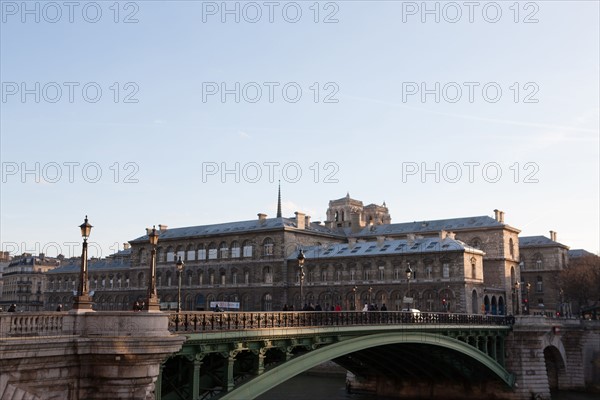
{"type": "Point", "coordinates": [188, 113]}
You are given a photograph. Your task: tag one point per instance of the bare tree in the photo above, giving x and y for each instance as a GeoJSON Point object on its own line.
{"type": "Point", "coordinates": [580, 281]}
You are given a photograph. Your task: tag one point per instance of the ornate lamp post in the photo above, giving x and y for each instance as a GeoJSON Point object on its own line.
{"type": "Point", "coordinates": [354, 297]}
{"type": "Point", "coordinates": [301, 259]}
{"type": "Point", "coordinates": [370, 297]}
{"type": "Point", "coordinates": [83, 302]}
{"type": "Point", "coordinates": [409, 273]}
{"type": "Point", "coordinates": [179, 266]}
{"type": "Point", "coordinates": [152, 303]}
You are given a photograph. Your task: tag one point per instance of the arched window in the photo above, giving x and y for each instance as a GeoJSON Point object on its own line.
{"type": "Point", "coordinates": [143, 255]}
{"type": "Point", "coordinates": [324, 275]}
{"type": "Point", "coordinates": [169, 278]}
{"type": "Point", "coordinates": [268, 247]}
{"type": "Point", "coordinates": [246, 277]}
{"type": "Point", "coordinates": [190, 253]}
{"type": "Point", "coordinates": [212, 251]}
{"type": "Point", "coordinates": [511, 248]}
{"type": "Point", "coordinates": [170, 254]}
{"type": "Point", "coordinates": [473, 268]}
{"type": "Point", "coordinates": [223, 277]}
{"type": "Point", "coordinates": [247, 248]}
{"type": "Point", "coordinates": [201, 252]}
{"type": "Point", "coordinates": [235, 249]}
{"type": "Point", "coordinates": [267, 275]}
{"type": "Point", "coordinates": [267, 302]}
{"type": "Point", "coordinates": [223, 250]}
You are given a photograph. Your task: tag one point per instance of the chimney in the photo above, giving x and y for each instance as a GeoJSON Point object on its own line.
{"type": "Point", "coordinates": [501, 216]}
{"type": "Point", "coordinates": [126, 246]}
{"type": "Point", "coordinates": [355, 221]}
{"type": "Point", "coordinates": [307, 221]}
{"type": "Point", "coordinates": [162, 227]}
{"type": "Point", "coordinates": [380, 240]}
{"type": "Point", "coordinates": [553, 236]}
{"type": "Point", "coordinates": [442, 234]}
{"type": "Point", "coordinates": [450, 235]}
{"type": "Point", "coordinates": [351, 242]}
{"type": "Point", "coordinates": [410, 238]}
{"type": "Point", "coordinates": [262, 217]}
{"type": "Point", "coordinates": [300, 220]}
{"type": "Point", "coordinates": [496, 215]}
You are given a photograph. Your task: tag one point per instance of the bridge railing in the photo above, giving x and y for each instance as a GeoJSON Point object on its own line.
{"type": "Point", "coordinates": [204, 321]}
{"type": "Point", "coordinates": [33, 324]}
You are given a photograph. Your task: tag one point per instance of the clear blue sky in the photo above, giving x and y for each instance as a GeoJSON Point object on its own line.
{"type": "Point", "coordinates": [370, 132]}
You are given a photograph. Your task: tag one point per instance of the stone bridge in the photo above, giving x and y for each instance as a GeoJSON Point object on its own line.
{"type": "Point", "coordinates": [142, 355]}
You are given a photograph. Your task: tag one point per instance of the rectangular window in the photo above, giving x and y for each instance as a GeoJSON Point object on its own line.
{"type": "Point", "coordinates": [428, 271]}
{"type": "Point", "coordinates": [224, 252]}
{"type": "Point", "coordinates": [171, 256]}
{"type": "Point", "coordinates": [235, 252]}
{"type": "Point", "coordinates": [191, 255]}
{"type": "Point", "coordinates": [247, 251]}
{"type": "Point", "coordinates": [181, 254]}
{"type": "Point", "coordinates": [381, 273]}
{"type": "Point", "coordinates": [446, 270]}
{"type": "Point", "coordinates": [212, 254]}
{"type": "Point", "coordinates": [324, 276]}
{"type": "Point", "coordinates": [202, 254]}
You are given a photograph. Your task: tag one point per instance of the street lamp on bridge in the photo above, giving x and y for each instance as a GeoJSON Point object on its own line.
{"type": "Point", "coordinates": [179, 266]}
{"type": "Point", "coordinates": [152, 303]}
{"type": "Point", "coordinates": [301, 259]}
{"type": "Point", "coordinates": [83, 301]}
{"type": "Point", "coordinates": [409, 273]}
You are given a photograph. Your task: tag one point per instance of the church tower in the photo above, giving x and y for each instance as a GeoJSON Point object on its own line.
{"type": "Point", "coordinates": [350, 213]}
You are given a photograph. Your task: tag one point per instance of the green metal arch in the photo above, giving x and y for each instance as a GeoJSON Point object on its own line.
{"type": "Point", "coordinates": [289, 369]}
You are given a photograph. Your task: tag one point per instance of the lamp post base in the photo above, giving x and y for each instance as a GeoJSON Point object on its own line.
{"type": "Point", "coordinates": [83, 304]}
{"type": "Point", "coordinates": [152, 304]}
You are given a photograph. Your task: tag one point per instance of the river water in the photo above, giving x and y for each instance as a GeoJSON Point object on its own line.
{"type": "Point", "coordinates": [311, 387]}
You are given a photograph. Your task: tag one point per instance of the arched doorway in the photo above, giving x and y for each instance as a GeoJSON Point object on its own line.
{"type": "Point", "coordinates": [555, 367]}
{"type": "Point", "coordinates": [474, 302]}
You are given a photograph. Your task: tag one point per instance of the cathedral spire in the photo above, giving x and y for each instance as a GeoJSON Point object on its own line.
{"type": "Point", "coordinates": [279, 201]}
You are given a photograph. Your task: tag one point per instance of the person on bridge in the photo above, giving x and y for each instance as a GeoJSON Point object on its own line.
{"type": "Point", "coordinates": [12, 308]}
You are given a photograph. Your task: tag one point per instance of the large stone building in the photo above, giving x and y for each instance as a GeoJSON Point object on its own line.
{"type": "Point", "coordinates": [541, 261]}
{"type": "Point", "coordinates": [460, 265]}
{"type": "Point", "coordinates": [23, 281]}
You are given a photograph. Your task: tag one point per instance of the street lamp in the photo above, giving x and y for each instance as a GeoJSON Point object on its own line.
{"type": "Point", "coordinates": [517, 289]}
{"type": "Point", "coordinates": [370, 298]}
{"type": "Point", "coordinates": [179, 266]}
{"type": "Point", "coordinates": [83, 302]}
{"type": "Point", "coordinates": [301, 259]}
{"type": "Point", "coordinates": [152, 303]}
{"type": "Point", "coordinates": [409, 273]}
{"type": "Point", "coordinates": [354, 297]}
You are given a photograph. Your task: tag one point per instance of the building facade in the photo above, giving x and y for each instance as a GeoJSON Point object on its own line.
{"type": "Point", "coordinates": [252, 264]}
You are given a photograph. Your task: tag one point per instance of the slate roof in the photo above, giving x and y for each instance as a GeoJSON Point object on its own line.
{"type": "Point", "coordinates": [236, 227]}
{"type": "Point", "coordinates": [576, 253]}
{"type": "Point", "coordinates": [401, 246]}
{"type": "Point", "coordinates": [452, 224]}
{"type": "Point", "coordinates": [538, 241]}
{"type": "Point", "coordinates": [92, 266]}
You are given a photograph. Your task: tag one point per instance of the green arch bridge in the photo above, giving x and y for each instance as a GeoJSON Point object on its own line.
{"type": "Point", "coordinates": [240, 355]}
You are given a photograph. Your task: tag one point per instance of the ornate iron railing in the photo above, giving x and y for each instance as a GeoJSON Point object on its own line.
{"type": "Point", "coordinates": [191, 322]}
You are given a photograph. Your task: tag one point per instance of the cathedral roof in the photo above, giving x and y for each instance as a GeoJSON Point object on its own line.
{"type": "Point", "coordinates": [537, 241]}
{"type": "Point", "coordinates": [400, 246]}
{"type": "Point", "coordinates": [452, 224]}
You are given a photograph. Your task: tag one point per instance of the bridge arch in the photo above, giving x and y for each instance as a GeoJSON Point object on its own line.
{"type": "Point", "coordinates": [276, 376]}
{"type": "Point", "coordinates": [555, 360]}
